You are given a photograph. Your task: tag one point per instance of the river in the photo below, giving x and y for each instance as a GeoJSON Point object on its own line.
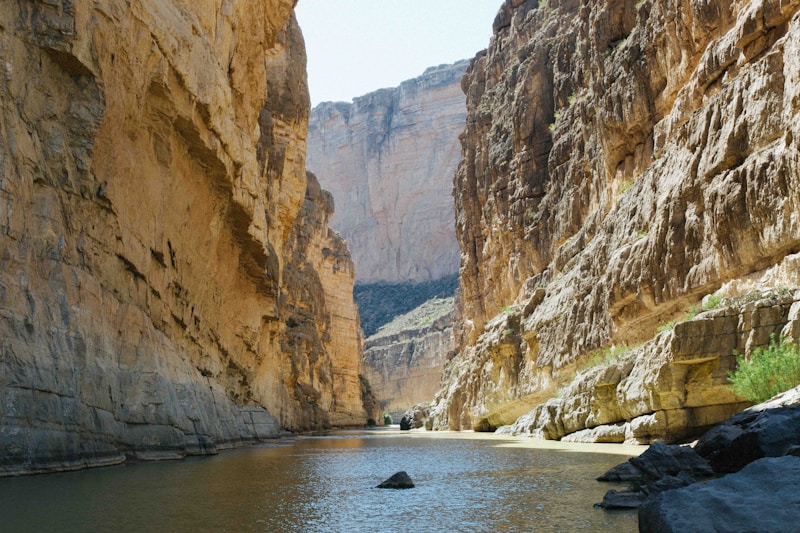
{"type": "Point", "coordinates": [465, 482]}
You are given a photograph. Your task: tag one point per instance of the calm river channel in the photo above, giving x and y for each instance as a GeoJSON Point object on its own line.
{"type": "Point", "coordinates": [465, 482]}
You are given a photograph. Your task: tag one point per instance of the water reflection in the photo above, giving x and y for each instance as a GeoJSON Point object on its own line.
{"type": "Point", "coordinates": [318, 484]}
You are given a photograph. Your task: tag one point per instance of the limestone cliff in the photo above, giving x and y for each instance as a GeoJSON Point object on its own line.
{"type": "Point", "coordinates": [389, 158]}
{"type": "Point", "coordinates": [159, 295]}
{"type": "Point", "coordinates": [404, 360]}
{"type": "Point", "coordinates": [621, 160]}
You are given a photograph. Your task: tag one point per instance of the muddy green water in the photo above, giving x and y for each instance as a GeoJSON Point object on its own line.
{"type": "Point", "coordinates": [325, 484]}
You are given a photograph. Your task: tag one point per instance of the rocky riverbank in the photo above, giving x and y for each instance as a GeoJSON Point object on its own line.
{"type": "Point", "coordinates": [742, 475]}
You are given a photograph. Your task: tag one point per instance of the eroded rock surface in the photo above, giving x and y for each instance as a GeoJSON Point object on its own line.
{"type": "Point", "coordinates": [389, 158]}
{"type": "Point", "coordinates": [152, 170]}
{"type": "Point", "coordinates": [621, 160]}
{"type": "Point", "coordinates": [403, 361]}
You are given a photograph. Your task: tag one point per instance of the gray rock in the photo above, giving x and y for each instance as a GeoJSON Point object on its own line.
{"type": "Point", "coordinates": [400, 480]}
{"type": "Point", "coordinates": [763, 497]}
{"type": "Point", "coordinates": [657, 462]}
{"type": "Point", "coordinates": [771, 429]}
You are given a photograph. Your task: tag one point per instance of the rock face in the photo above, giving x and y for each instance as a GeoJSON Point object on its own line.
{"type": "Point", "coordinates": [159, 294]}
{"type": "Point", "coordinates": [749, 500]}
{"type": "Point", "coordinates": [389, 159]}
{"type": "Point", "coordinates": [403, 361]}
{"type": "Point", "coordinates": [621, 160]}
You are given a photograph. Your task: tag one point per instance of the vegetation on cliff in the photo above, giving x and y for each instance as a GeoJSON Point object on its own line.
{"type": "Point", "coordinates": [380, 303]}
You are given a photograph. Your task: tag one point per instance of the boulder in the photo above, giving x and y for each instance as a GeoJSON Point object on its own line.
{"type": "Point", "coordinates": [405, 423]}
{"type": "Point", "coordinates": [764, 496]}
{"type": "Point", "coordinates": [660, 460]}
{"type": "Point", "coordinates": [400, 480]}
{"type": "Point", "coordinates": [771, 429]}
{"type": "Point", "coordinates": [658, 469]}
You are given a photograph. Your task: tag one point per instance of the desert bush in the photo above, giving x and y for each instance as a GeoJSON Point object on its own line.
{"type": "Point", "coordinates": [767, 371]}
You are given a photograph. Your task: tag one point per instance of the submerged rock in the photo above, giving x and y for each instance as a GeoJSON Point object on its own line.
{"type": "Point", "coordinates": [762, 497]}
{"type": "Point", "coordinates": [400, 480]}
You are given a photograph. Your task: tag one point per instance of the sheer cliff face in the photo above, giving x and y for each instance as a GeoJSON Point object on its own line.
{"type": "Point", "coordinates": [151, 174]}
{"type": "Point", "coordinates": [389, 158]}
{"type": "Point", "coordinates": [622, 159]}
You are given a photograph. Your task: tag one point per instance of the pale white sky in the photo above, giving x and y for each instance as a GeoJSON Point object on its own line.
{"type": "Point", "coordinates": [358, 46]}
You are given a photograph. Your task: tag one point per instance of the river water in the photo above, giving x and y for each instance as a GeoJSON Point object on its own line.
{"type": "Point", "coordinates": [465, 482]}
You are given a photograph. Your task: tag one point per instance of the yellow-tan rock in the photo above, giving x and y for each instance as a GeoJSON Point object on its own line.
{"type": "Point", "coordinates": [621, 160]}
{"type": "Point", "coordinates": [389, 158]}
{"type": "Point", "coordinates": [152, 168]}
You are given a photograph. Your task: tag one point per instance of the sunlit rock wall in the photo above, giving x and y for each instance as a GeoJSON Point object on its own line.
{"type": "Point", "coordinates": [621, 160]}
{"type": "Point", "coordinates": [152, 167]}
{"type": "Point", "coordinates": [389, 158]}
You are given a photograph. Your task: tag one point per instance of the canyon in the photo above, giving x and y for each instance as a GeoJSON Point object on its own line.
{"type": "Point", "coordinates": [168, 282]}
{"type": "Point", "coordinates": [388, 158]}
{"type": "Point", "coordinates": [404, 359]}
{"type": "Point", "coordinates": [623, 163]}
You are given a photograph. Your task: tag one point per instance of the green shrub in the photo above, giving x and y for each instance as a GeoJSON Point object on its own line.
{"type": "Point", "coordinates": [767, 372]}
{"type": "Point", "coordinates": [371, 422]}
{"type": "Point", "coordinates": [713, 302]}
{"type": "Point", "coordinates": [387, 419]}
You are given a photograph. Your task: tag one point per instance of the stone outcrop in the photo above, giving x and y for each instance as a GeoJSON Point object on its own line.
{"type": "Point", "coordinates": [750, 500]}
{"type": "Point", "coordinates": [621, 160]}
{"type": "Point", "coordinates": [159, 294]}
{"type": "Point", "coordinates": [671, 388]}
{"type": "Point", "coordinates": [403, 361]}
{"type": "Point", "coordinates": [770, 429]}
{"type": "Point", "coordinates": [389, 158]}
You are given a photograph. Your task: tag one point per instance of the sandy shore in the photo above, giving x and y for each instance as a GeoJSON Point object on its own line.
{"type": "Point", "coordinates": [626, 450]}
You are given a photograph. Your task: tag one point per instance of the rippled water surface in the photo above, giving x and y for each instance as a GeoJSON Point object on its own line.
{"type": "Point", "coordinates": [326, 484]}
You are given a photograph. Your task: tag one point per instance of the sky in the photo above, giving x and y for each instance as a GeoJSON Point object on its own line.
{"type": "Point", "coordinates": [358, 46]}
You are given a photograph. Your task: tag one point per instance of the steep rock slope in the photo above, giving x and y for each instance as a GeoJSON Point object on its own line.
{"type": "Point", "coordinates": [621, 160]}
{"type": "Point", "coordinates": [389, 159]}
{"type": "Point", "coordinates": [404, 360]}
{"type": "Point", "coordinates": [151, 174]}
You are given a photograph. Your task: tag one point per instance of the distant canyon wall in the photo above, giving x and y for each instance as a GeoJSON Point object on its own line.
{"type": "Point", "coordinates": [389, 159]}
{"type": "Point", "coordinates": [621, 160]}
{"type": "Point", "coordinates": [404, 360]}
{"type": "Point", "coordinates": [168, 284]}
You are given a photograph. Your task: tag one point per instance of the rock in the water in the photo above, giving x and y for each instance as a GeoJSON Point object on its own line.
{"type": "Point", "coordinates": [761, 431]}
{"type": "Point", "coordinates": [400, 480]}
{"type": "Point", "coordinates": [764, 496]}
{"type": "Point", "coordinates": [658, 469]}
{"type": "Point", "coordinates": [405, 423]}
{"type": "Point", "coordinates": [658, 462]}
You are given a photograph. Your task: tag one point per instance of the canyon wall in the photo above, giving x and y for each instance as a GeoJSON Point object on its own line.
{"type": "Point", "coordinates": [404, 360]}
{"type": "Point", "coordinates": [622, 160]}
{"type": "Point", "coordinates": [167, 282]}
{"type": "Point", "coordinates": [389, 159]}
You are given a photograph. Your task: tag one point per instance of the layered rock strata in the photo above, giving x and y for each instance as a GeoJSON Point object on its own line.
{"type": "Point", "coordinates": [388, 158]}
{"type": "Point", "coordinates": [621, 160]}
{"type": "Point", "coordinates": [404, 360]}
{"type": "Point", "coordinates": [159, 295]}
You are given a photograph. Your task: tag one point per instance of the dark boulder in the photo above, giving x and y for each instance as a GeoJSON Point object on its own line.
{"type": "Point", "coordinates": [658, 469]}
{"type": "Point", "coordinates": [751, 435]}
{"type": "Point", "coordinates": [658, 461]}
{"type": "Point", "coordinates": [405, 423]}
{"type": "Point", "coordinates": [400, 480]}
{"type": "Point", "coordinates": [764, 496]}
